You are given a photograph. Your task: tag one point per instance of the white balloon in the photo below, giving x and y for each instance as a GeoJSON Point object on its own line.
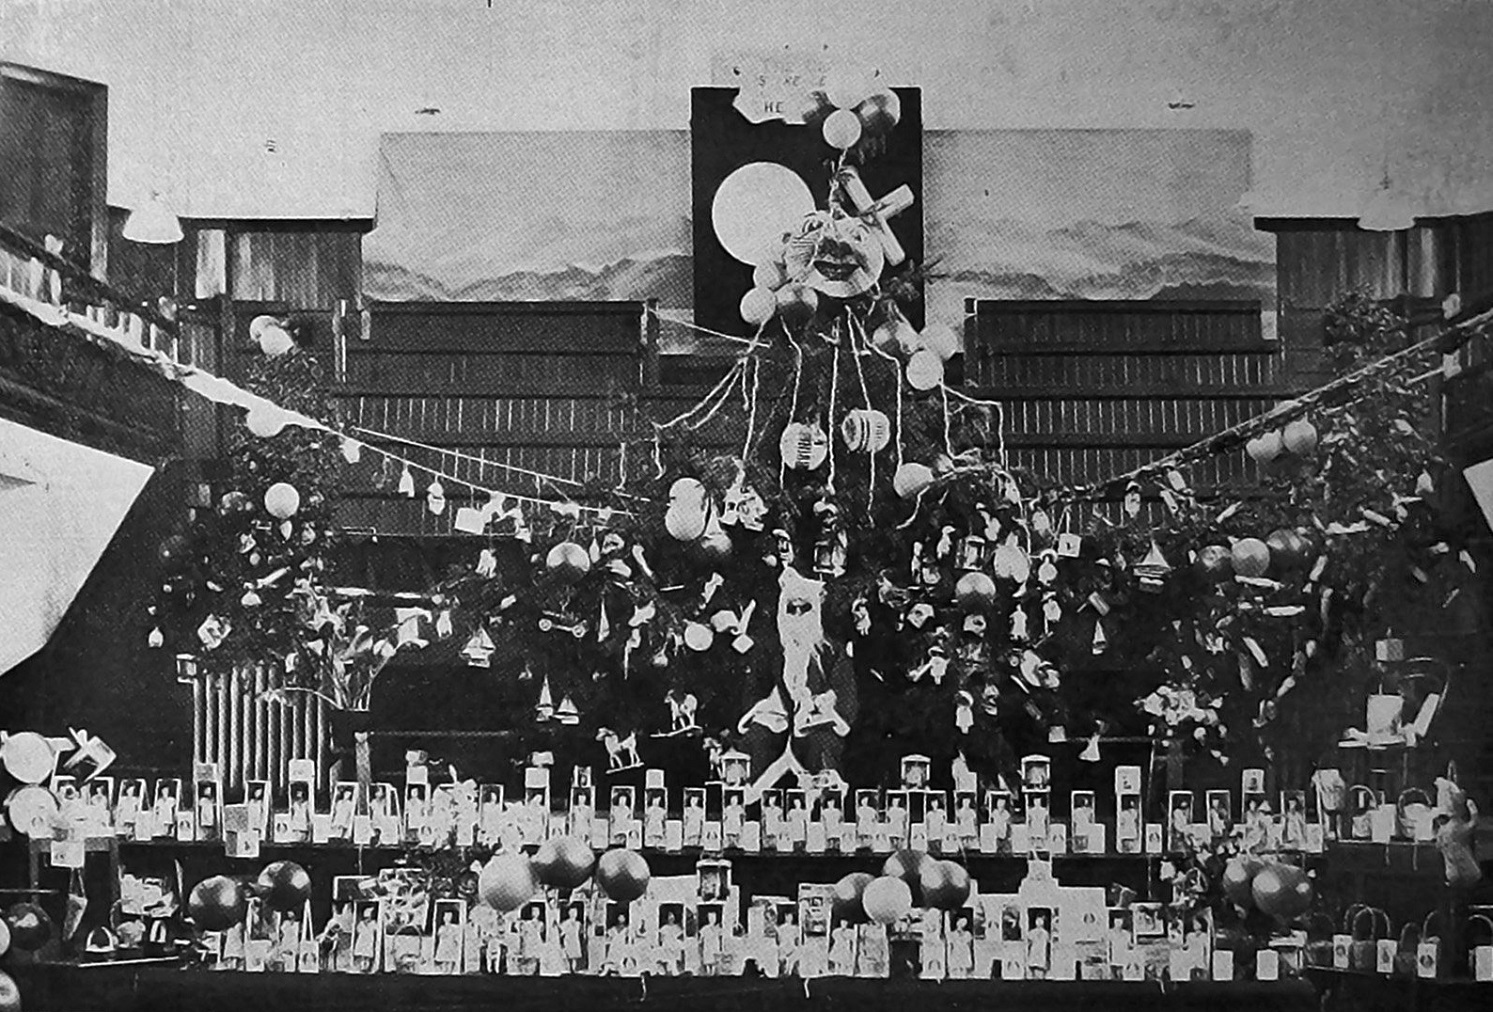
{"type": "Point", "coordinates": [758, 306]}
{"type": "Point", "coordinates": [842, 129]}
{"type": "Point", "coordinates": [274, 341]}
{"type": "Point", "coordinates": [755, 205]}
{"type": "Point", "coordinates": [265, 422]}
{"type": "Point", "coordinates": [845, 87]}
{"type": "Point", "coordinates": [769, 274]}
{"type": "Point", "coordinates": [924, 370]}
{"type": "Point", "coordinates": [940, 339]}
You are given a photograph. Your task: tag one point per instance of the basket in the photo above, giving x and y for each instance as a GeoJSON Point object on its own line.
{"type": "Point", "coordinates": [1429, 961]}
{"type": "Point", "coordinates": [1365, 925]}
{"type": "Point", "coordinates": [1480, 954]}
{"type": "Point", "coordinates": [1408, 950]}
{"type": "Point", "coordinates": [1361, 805]}
{"type": "Point", "coordinates": [1319, 941]}
{"type": "Point", "coordinates": [1413, 814]}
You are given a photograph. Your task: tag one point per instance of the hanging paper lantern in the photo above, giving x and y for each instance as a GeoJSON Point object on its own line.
{"type": "Point", "coordinates": [266, 421]}
{"type": "Point", "coordinates": [284, 885]}
{"type": "Point", "coordinates": [1238, 875]}
{"type": "Point", "coordinates": [1288, 549]}
{"type": "Point", "coordinates": [568, 561]}
{"type": "Point", "coordinates": [866, 430]}
{"type": "Point", "coordinates": [30, 927]}
{"type": "Point", "coordinates": [1216, 562]}
{"type": "Point", "coordinates": [847, 87]}
{"type": "Point", "coordinates": [564, 862]}
{"type": "Point", "coordinates": [797, 303]}
{"type": "Point", "coordinates": [10, 993]}
{"type": "Point", "coordinates": [887, 899]}
{"type": "Point", "coordinates": [1264, 448]}
{"type": "Point", "coordinates": [275, 340]}
{"type": "Point", "coordinates": [1300, 437]}
{"type": "Point", "coordinates": [911, 478]}
{"type": "Point", "coordinates": [506, 882]}
{"type": "Point", "coordinates": [896, 334]}
{"type": "Point", "coordinates": [1282, 890]}
{"type": "Point", "coordinates": [846, 901]}
{"type": "Point", "coordinates": [940, 339]}
{"type": "Point", "coordinates": [698, 636]}
{"type": "Point", "coordinates": [924, 370]}
{"type": "Point", "coordinates": [435, 497]}
{"type": "Point", "coordinates": [1151, 572]}
{"type": "Point", "coordinates": [688, 510]}
{"type": "Point", "coordinates": [907, 864]}
{"type": "Point", "coordinates": [880, 111]}
{"type": "Point", "coordinates": [804, 446]}
{"type": "Point", "coordinates": [622, 874]}
{"type": "Point", "coordinates": [1251, 557]}
{"type": "Point", "coordinates": [842, 129]}
{"type": "Point", "coordinates": [945, 885]}
{"type": "Point", "coordinates": [281, 500]}
{"type": "Point", "coordinates": [758, 306]}
{"type": "Point", "coordinates": [975, 591]}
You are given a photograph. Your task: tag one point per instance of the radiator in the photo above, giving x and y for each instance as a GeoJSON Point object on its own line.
{"type": "Point", "coordinates": [249, 730]}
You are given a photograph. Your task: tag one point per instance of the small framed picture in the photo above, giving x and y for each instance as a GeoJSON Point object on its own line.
{"type": "Point", "coordinates": [713, 880]}
{"type": "Point", "coordinates": [867, 808]}
{"type": "Point", "coordinates": [736, 768]}
{"type": "Point", "coordinates": [915, 771]}
{"type": "Point", "coordinates": [580, 776]}
{"type": "Point", "coordinates": [655, 804]}
{"type": "Point", "coordinates": [832, 805]}
{"type": "Point", "coordinates": [1081, 811]}
{"type": "Point", "coordinates": [257, 797]}
{"type": "Point", "coordinates": [896, 814]}
{"type": "Point", "coordinates": [449, 922]}
{"type": "Point", "coordinates": [1038, 810]}
{"type": "Point", "coordinates": [300, 807]}
{"type": "Point", "coordinates": [1148, 922]}
{"type": "Point", "coordinates": [1252, 781]}
{"type": "Point", "coordinates": [1121, 934]}
{"type": "Point", "coordinates": [935, 811]}
{"type": "Point", "coordinates": [1179, 820]}
{"type": "Point", "coordinates": [1293, 820]}
{"type": "Point", "coordinates": [1128, 824]}
{"type": "Point", "coordinates": [537, 798]}
{"type": "Point", "coordinates": [966, 815]}
{"type": "Point", "coordinates": [693, 816]}
{"type": "Point", "coordinates": [1039, 933]}
{"type": "Point", "coordinates": [344, 807]}
{"type": "Point", "coordinates": [1036, 772]}
{"type": "Point", "coordinates": [733, 814]}
{"type": "Point", "coordinates": [416, 806]}
{"type": "Point", "coordinates": [1220, 813]}
{"type": "Point", "coordinates": [1127, 780]}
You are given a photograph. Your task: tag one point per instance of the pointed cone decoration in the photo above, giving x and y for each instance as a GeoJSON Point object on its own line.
{"type": "Point", "coordinates": [153, 222]}
{"type": "Point", "coordinates": [1101, 641]}
{"type": "Point", "coordinates": [1151, 572]}
{"type": "Point", "coordinates": [568, 714]}
{"type": "Point", "coordinates": [1090, 753]}
{"type": "Point", "coordinates": [545, 709]}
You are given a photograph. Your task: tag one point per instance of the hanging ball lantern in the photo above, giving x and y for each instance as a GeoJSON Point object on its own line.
{"type": "Point", "coordinates": [623, 875]}
{"type": "Point", "coordinates": [568, 560]}
{"type": "Point", "coordinates": [1282, 890]}
{"type": "Point", "coordinates": [28, 757]}
{"type": "Point", "coordinates": [847, 87]}
{"type": "Point", "coordinates": [10, 993]}
{"type": "Point", "coordinates": [217, 903]}
{"type": "Point", "coordinates": [911, 478]}
{"type": "Point", "coordinates": [842, 129]}
{"type": "Point", "coordinates": [896, 334]}
{"type": "Point", "coordinates": [1300, 437]}
{"type": "Point", "coordinates": [940, 339]}
{"type": "Point", "coordinates": [907, 864]}
{"type": "Point", "coordinates": [506, 882]}
{"type": "Point", "coordinates": [769, 275]}
{"type": "Point", "coordinates": [758, 306]}
{"type": "Point", "coordinates": [804, 446]}
{"type": "Point", "coordinates": [265, 421]}
{"type": "Point", "coordinates": [689, 510]}
{"type": "Point", "coordinates": [945, 885]}
{"type": "Point", "coordinates": [797, 303]}
{"type": "Point", "coordinates": [924, 370]}
{"type": "Point", "coordinates": [886, 899]}
{"type": "Point", "coordinates": [30, 927]}
{"type": "Point", "coordinates": [1216, 562]}
{"type": "Point", "coordinates": [1238, 875]}
{"type": "Point", "coordinates": [880, 111]}
{"type": "Point", "coordinates": [275, 340]}
{"type": "Point", "coordinates": [564, 862]}
{"type": "Point", "coordinates": [281, 500]}
{"type": "Point", "coordinates": [4, 937]}
{"type": "Point", "coordinates": [847, 900]}
{"type": "Point", "coordinates": [1264, 448]}
{"type": "Point", "coordinates": [1288, 549]}
{"type": "Point", "coordinates": [866, 430]}
{"type": "Point", "coordinates": [1251, 557]}
{"type": "Point", "coordinates": [975, 591]}
{"type": "Point", "coordinates": [284, 885]}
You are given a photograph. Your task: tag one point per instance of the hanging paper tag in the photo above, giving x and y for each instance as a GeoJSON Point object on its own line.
{"type": "Point", "coordinates": [469, 520]}
{"type": "Point", "coordinates": [1255, 649]}
{"type": "Point", "coordinates": [1169, 499]}
{"type": "Point", "coordinates": [1176, 481]}
{"type": "Point", "coordinates": [1098, 603]}
{"type": "Point", "coordinates": [1069, 545]}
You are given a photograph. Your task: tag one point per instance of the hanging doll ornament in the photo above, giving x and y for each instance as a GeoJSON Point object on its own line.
{"type": "Point", "coordinates": [804, 446]}
{"type": "Point", "coordinates": [1011, 561]}
{"type": "Point", "coordinates": [435, 498]}
{"type": "Point", "coordinates": [831, 549]}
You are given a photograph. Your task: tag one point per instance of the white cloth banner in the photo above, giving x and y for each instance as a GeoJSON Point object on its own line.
{"type": "Point", "coordinates": [60, 504]}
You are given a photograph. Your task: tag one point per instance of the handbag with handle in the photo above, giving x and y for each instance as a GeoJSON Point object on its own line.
{"type": "Point", "coordinates": [1342, 940]}
{"type": "Point", "coordinates": [1481, 955]}
{"type": "Point", "coordinates": [1369, 925]}
{"type": "Point", "coordinates": [1407, 952]}
{"type": "Point", "coordinates": [1413, 814]}
{"type": "Point", "coordinates": [1319, 947]}
{"type": "Point", "coordinates": [1428, 961]}
{"type": "Point", "coordinates": [1361, 805]}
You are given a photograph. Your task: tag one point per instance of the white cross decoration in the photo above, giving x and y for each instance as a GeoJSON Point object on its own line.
{"type": "Point", "coordinates": [876, 212]}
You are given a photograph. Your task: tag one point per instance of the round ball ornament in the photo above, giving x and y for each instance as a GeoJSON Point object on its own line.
{"type": "Point", "coordinates": [688, 511]}
{"type": "Point", "coordinates": [769, 275]}
{"type": "Point", "coordinates": [281, 500]}
{"type": "Point", "coordinates": [1299, 437]}
{"type": "Point", "coordinates": [940, 339]}
{"type": "Point", "coordinates": [911, 478]}
{"type": "Point", "coordinates": [847, 87]}
{"type": "Point", "coordinates": [10, 993]}
{"type": "Point", "coordinates": [797, 303]}
{"type": "Point", "coordinates": [880, 111]}
{"type": "Point", "coordinates": [1264, 448]}
{"type": "Point", "coordinates": [284, 885]}
{"type": "Point", "coordinates": [4, 937]}
{"type": "Point", "coordinates": [623, 875]}
{"type": "Point", "coordinates": [217, 903]}
{"type": "Point", "coordinates": [975, 591]}
{"type": "Point", "coordinates": [846, 902]}
{"type": "Point", "coordinates": [1288, 548]}
{"type": "Point", "coordinates": [275, 340]}
{"type": "Point", "coordinates": [266, 422]}
{"type": "Point", "coordinates": [1282, 890]}
{"type": "Point", "coordinates": [698, 636]}
{"type": "Point", "coordinates": [506, 882]}
{"type": "Point", "coordinates": [842, 129]}
{"type": "Point", "coordinates": [1238, 877]}
{"type": "Point", "coordinates": [758, 306]}
{"type": "Point", "coordinates": [887, 899]}
{"type": "Point", "coordinates": [568, 560]}
{"type": "Point", "coordinates": [866, 430]}
{"type": "Point", "coordinates": [907, 865]}
{"type": "Point", "coordinates": [32, 811]}
{"type": "Point", "coordinates": [804, 446]}
{"type": "Point", "coordinates": [1251, 557]}
{"type": "Point", "coordinates": [30, 927]}
{"type": "Point", "coordinates": [924, 370]}
{"type": "Point", "coordinates": [28, 757]}
{"type": "Point", "coordinates": [564, 862]}
{"type": "Point", "coordinates": [945, 885]}
{"type": "Point", "coordinates": [1216, 562]}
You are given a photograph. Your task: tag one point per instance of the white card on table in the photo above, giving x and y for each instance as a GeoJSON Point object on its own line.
{"type": "Point", "coordinates": [1267, 965]}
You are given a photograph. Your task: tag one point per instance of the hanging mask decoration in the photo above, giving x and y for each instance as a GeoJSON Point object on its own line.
{"type": "Point", "coordinates": [834, 254]}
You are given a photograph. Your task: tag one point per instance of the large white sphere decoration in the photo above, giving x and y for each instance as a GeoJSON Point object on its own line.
{"type": "Point", "coordinates": [940, 339]}
{"type": "Point", "coordinates": [845, 87]}
{"type": "Point", "coordinates": [266, 422]}
{"type": "Point", "coordinates": [887, 899]}
{"type": "Point", "coordinates": [769, 275]}
{"type": "Point", "coordinates": [911, 478]}
{"type": "Point", "coordinates": [28, 757]}
{"type": "Point", "coordinates": [281, 500]}
{"type": "Point", "coordinates": [755, 205]}
{"type": "Point", "coordinates": [758, 306]}
{"type": "Point", "coordinates": [274, 341]}
{"type": "Point", "coordinates": [842, 129]}
{"type": "Point", "coordinates": [924, 370]}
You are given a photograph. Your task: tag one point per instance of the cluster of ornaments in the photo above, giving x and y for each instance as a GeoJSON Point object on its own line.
{"type": "Point", "coordinates": [1298, 438]}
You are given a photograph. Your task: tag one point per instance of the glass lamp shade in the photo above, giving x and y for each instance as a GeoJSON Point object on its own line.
{"type": "Point", "coordinates": [153, 222]}
{"type": "Point", "coordinates": [1386, 210]}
